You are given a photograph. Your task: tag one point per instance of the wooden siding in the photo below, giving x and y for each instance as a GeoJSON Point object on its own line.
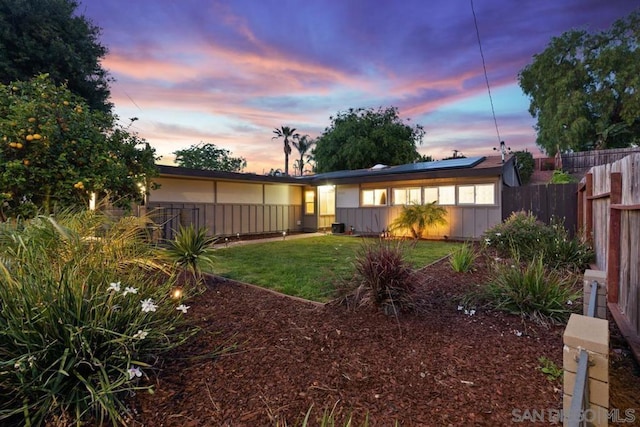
{"type": "Point", "coordinates": [463, 222]}
{"type": "Point", "coordinates": [226, 219]}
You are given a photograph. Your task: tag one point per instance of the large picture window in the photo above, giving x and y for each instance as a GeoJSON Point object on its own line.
{"type": "Point", "coordinates": [374, 197]}
{"type": "Point", "coordinates": [406, 196]}
{"type": "Point", "coordinates": [479, 194]}
{"type": "Point", "coordinates": [442, 195]}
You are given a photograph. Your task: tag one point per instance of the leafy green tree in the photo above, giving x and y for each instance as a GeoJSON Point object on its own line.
{"type": "Point", "coordinates": [49, 36]}
{"type": "Point", "coordinates": [303, 144]}
{"type": "Point", "coordinates": [360, 138]}
{"type": "Point", "coordinates": [285, 132]}
{"type": "Point", "coordinates": [55, 151]}
{"type": "Point", "coordinates": [584, 89]}
{"type": "Point", "coordinates": [525, 164]}
{"type": "Point", "coordinates": [209, 157]}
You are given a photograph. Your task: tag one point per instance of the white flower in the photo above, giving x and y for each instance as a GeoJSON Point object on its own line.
{"type": "Point", "coordinates": [114, 287]}
{"type": "Point", "coordinates": [130, 290]}
{"type": "Point", "coordinates": [133, 372]}
{"type": "Point", "coordinates": [487, 241]}
{"type": "Point", "coordinates": [183, 308]}
{"type": "Point", "coordinates": [472, 312]}
{"type": "Point", "coordinates": [148, 305]}
{"type": "Point", "coordinates": [140, 334]}
{"type": "Point", "coordinates": [460, 308]}
{"type": "Point", "coordinates": [518, 333]}
{"type": "Point", "coordinates": [498, 234]}
{"type": "Point", "coordinates": [569, 302]}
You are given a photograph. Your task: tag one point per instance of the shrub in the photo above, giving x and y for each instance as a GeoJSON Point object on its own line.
{"type": "Point", "coordinates": [461, 259]}
{"type": "Point", "coordinates": [521, 235]}
{"type": "Point", "coordinates": [532, 291]}
{"type": "Point", "coordinates": [383, 277]}
{"type": "Point", "coordinates": [85, 310]}
{"type": "Point", "coordinates": [417, 218]}
{"type": "Point", "coordinates": [561, 177]}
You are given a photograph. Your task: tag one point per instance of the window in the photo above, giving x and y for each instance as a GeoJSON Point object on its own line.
{"type": "Point", "coordinates": [443, 195]}
{"type": "Point", "coordinates": [327, 200]}
{"type": "Point", "coordinates": [309, 202]}
{"type": "Point", "coordinates": [377, 197]}
{"type": "Point", "coordinates": [479, 194]}
{"type": "Point", "coordinates": [406, 196]}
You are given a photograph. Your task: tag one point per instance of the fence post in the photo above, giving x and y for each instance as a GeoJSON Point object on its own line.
{"type": "Point", "coordinates": [588, 334]}
{"type": "Point", "coordinates": [588, 214]}
{"type": "Point", "coordinates": [613, 252]}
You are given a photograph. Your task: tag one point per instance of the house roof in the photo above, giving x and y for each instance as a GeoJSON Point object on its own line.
{"type": "Point", "coordinates": [181, 172]}
{"type": "Point", "coordinates": [462, 167]}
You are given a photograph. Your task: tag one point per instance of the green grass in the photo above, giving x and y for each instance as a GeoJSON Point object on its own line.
{"type": "Point", "coordinates": [309, 267]}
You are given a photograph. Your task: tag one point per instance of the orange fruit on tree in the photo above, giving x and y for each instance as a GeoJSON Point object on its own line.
{"type": "Point", "coordinates": [13, 144]}
{"type": "Point", "coordinates": [31, 119]}
{"type": "Point", "coordinates": [37, 136]}
{"type": "Point", "coordinates": [29, 138]}
{"type": "Point", "coordinates": [19, 145]}
{"type": "Point", "coordinates": [26, 162]}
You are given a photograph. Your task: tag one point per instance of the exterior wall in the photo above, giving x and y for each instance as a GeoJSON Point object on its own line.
{"type": "Point", "coordinates": [463, 221]}
{"type": "Point", "coordinates": [225, 208]}
{"type": "Point", "coordinates": [183, 191]}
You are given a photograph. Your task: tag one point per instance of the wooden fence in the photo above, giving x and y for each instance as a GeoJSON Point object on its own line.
{"type": "Point", "coordinates": [579, 163]}
{"type": "Point", "coordinates": [546, 202]}
{"type": "Point", "coordinates": [609, 210]}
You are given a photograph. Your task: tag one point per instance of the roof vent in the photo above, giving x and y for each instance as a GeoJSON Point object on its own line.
{"type": "Point", "coordinates": [379, 167]}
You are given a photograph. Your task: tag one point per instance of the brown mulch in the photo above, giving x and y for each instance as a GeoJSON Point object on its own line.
{"type": "Point", "coordinates": [436, 367]}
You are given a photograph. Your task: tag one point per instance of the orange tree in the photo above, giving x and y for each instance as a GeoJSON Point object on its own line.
{"type": "Point", "coordinates": [55, 151]}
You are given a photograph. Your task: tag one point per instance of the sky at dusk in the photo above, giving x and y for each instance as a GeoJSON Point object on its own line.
{"type": "Point", "coordinates": [230, 72]}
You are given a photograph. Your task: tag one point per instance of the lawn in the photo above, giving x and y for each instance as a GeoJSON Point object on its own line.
{"type": "Point", "coordinates": [309, 267]}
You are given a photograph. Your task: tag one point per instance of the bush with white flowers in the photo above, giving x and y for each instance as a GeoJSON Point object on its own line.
{"type": "Point", "coordinates": [86, 308]}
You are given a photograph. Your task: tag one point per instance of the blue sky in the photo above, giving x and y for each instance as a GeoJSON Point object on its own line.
{"type": "Point", "coordinates": [229, 72]}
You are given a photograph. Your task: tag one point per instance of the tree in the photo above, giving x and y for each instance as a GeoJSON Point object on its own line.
{"type": "Point", "coordinates": [209, 157]}
{"type": "Point", "coordinates": [303, 144]}
{"type": "Point", "coordinates": [417, 218]}
{"type": "Point", "coordinates": [286, 132]}
{"type": "Point", "coordinates": [584, 89]}
{"type": "Point", "coordinates": [361, 138]}
{"type": "Point", "coordinates": [47, 36]}
{"type": "Point", "coordinates": [525, 165]}
{"type": "Point", "coordinates": [55, 151]}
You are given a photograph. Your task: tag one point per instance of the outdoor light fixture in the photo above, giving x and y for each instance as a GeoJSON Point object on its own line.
{"type": "Point", "coordinates": [238, 236]}
{"type": "Point", "coordinates": [226, 242]}
{"type": "Point", "coordinates": [176, 293]}
{"type": "Point", "coordinates": [284, 235]}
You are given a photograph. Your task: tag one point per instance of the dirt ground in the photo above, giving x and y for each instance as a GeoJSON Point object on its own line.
{"type": "Point", "coordinates": [444, 365]}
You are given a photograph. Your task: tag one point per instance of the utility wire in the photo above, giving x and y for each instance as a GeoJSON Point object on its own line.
{"type": "Point", "coordinates": [484, 67]}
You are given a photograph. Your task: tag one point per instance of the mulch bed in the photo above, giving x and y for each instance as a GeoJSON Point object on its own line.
{"type": "Point", "coordinates": [436, 367]}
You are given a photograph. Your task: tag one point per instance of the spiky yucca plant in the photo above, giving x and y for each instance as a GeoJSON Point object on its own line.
{"type": "Point", "coordinates": [192, 249]}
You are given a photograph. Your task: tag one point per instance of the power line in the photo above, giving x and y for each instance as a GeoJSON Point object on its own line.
{"type": "Point", "coordinates": [486, 77]}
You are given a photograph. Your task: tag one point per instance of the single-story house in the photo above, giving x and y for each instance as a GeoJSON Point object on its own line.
{"type": "Point", "coordinates": [365, 201]}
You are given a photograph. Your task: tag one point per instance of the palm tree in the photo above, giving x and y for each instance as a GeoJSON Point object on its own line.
{"type": "Point", "coordinates": [303, 144]}
{"type": "Point", "coordinates": [286, 132]}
